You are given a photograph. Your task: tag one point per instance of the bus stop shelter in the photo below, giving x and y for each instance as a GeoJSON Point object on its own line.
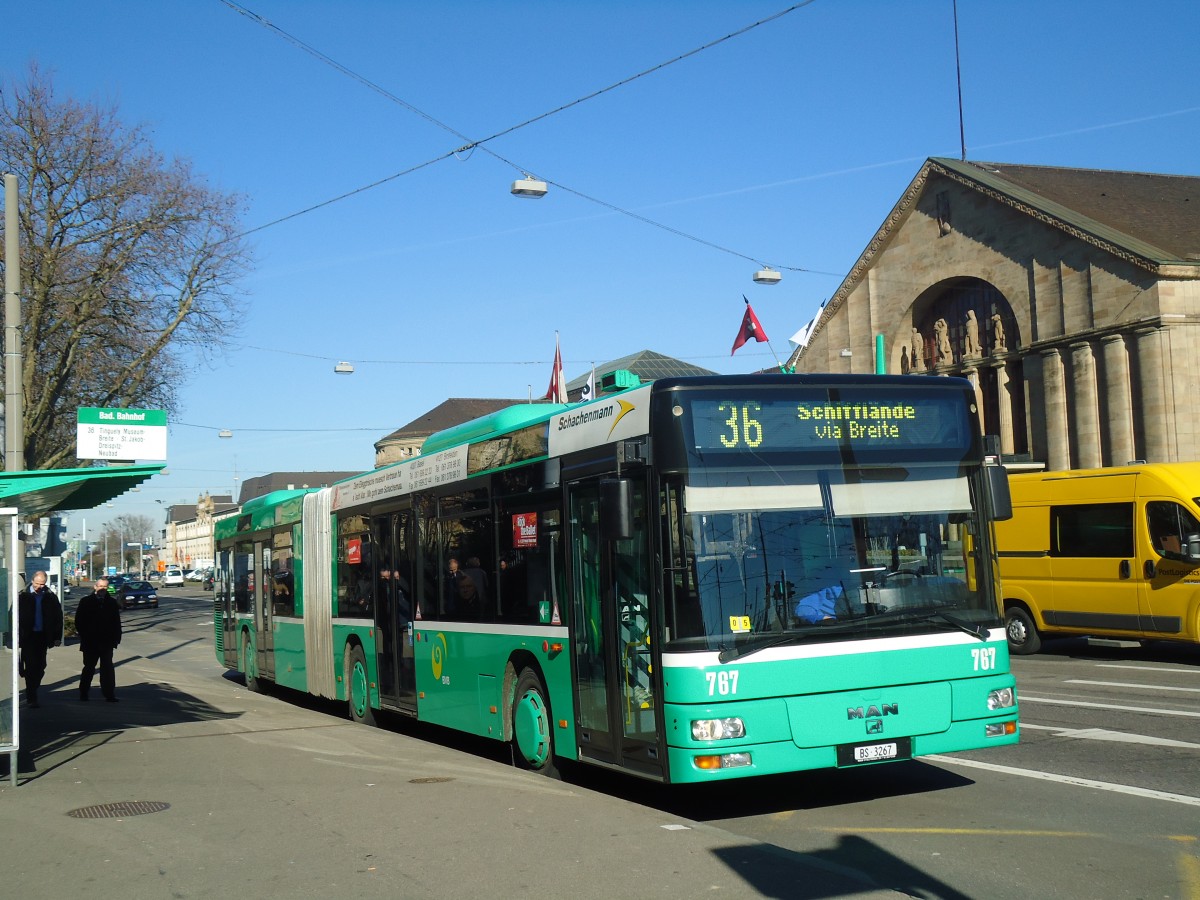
{"type": "Point", "coordinates": [31, 495]}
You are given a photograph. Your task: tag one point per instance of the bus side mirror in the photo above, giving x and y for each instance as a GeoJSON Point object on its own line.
{"type": "Point", "coordinates": [616, 509]}
{"type": "Point", "coordinates": [999, 498]}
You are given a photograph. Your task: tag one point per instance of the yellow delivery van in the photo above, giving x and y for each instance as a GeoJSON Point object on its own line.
{"type": "Point", "coordinates": [1105, 552]}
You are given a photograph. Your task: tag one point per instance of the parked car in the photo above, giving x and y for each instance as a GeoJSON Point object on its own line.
{"type": "Point", "coordinates": [173, 577]}
{"type": "Point", "coordinates": [137, 593]}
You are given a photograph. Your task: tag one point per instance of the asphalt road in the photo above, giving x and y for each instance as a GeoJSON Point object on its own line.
{"type": "Point", "coordinates": [1100, 799]}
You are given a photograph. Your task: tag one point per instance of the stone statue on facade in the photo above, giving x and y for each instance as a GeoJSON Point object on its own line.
{"type": "Point", "coordinates": [998, 340]}
{"type": "Point", "coordinates": [918, 351]}
{"type": "Point", "coordinates": [941, 336]}
{"type": "Point", "coordinates": [971, 338]}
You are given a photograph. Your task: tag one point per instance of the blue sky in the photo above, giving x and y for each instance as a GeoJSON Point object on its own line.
{"type": "Point", "coordinates": [787, 144]}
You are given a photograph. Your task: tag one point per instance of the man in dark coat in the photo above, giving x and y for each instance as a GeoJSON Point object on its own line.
{"type": "Point", "coordinates": [41, 628]}
{"type": "Point", "coordinates": [98, 624]}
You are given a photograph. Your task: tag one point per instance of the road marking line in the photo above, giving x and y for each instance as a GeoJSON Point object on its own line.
{"type": "Point", "coordinates": [1144, 793]}
{"type": "Point", "coordinates": [1103, 734]}
{"type": "Point", "coordinates": [1125, 684]}
{"type": "Point", "coordinates": [1008, 832]}
{"type": "Point", "coordinates": [1189, 875]}
{"type": "Point", "coordinates": [1148, 668]}
{"type": "Point", "coordinates": [1026, 698]}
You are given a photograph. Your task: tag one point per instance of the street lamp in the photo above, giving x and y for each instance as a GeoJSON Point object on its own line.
{"type": "Point", "coordinates": [141, 565]}
{"type": "Point", "coordinates": [528, 187]}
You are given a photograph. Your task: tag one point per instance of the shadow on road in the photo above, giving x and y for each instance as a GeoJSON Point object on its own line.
{"type": "Point", "coordinates": [783, 874]}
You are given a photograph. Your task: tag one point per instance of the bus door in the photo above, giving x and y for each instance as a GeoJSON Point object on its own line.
{"type": "Point", "coordinates": [264, 617]}
{"type": "Point", "coordinates": [223, 592]}
{"type": "Point", "coordinates": [617, 716]}
{"type": "Point", "coordinates": [393, 610]}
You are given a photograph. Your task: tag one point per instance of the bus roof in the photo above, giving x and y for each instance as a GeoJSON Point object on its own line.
{"type": "Point", "coordinates": [509, 419]}
{"type": "Point", "coordinates": [273, 499]}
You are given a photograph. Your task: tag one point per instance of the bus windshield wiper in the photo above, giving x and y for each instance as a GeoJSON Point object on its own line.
{"type": "Point", "coordinates": [974, 629]}
{"type": "Point", "coordinates": [737, 652]}
{"type": "Point", "coordinates": [791, 637]}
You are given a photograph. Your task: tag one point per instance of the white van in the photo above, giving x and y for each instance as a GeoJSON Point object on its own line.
{"type": "Point", "coordinates": [173, 576]}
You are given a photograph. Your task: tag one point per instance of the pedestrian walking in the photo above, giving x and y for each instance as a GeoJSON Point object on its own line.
{"type": "Point", "coordinates": [41, 629]}
{"type": "Point", "coordinates": [98, 624]}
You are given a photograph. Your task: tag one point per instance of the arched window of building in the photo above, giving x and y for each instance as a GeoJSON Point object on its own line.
{"type": "Point", "coordinates": [966, 327]}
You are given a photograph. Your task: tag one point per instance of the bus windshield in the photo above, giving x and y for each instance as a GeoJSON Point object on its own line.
{"type": "Point", "coordinates": [822, 555]}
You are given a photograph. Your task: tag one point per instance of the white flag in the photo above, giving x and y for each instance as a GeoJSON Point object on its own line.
{"type": "Point", "coordinates": [589, 389]}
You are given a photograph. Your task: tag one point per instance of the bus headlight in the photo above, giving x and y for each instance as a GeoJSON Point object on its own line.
{"type": "Point", "coordinates": [718, 729]}
{"type": "Point", "coordinates": [1001, 699]}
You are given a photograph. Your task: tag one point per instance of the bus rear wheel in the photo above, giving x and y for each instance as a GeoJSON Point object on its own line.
{"type": "Point", "coordinates": [1023, 636]}
{"type": "Point", "coordinates": [358, 687]}
{"type": "Point", "coordinates": [532, 725]}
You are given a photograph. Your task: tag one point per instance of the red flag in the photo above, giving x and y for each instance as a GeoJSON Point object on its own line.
{"type": "Point", "coordinates": [558, 387]}
{"type": "Point", "coordinates": [751, 329]}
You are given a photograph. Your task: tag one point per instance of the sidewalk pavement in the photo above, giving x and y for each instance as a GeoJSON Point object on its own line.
{"type": "Point", "coordinates": [191, 786]}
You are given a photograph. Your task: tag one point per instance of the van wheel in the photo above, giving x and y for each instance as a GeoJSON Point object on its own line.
{"type": "Point", "coordinates": [1023, 636]}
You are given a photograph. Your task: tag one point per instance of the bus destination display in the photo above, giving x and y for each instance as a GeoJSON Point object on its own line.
{"type": "Point", "coordinates": [732, 423]}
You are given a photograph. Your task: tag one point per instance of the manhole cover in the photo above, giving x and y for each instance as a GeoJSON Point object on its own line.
{"type": "Point", "coordinates": [429, 780]}
{"type": "Point", "coordinates": [119, 810]}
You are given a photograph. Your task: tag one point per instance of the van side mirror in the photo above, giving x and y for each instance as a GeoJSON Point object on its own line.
{"type": "Point", "coordinates": [616, 509]}
{"type": "Point", "coordinates": [999, 498]}
{"type": "Point", "coordinates": [1193, 547]}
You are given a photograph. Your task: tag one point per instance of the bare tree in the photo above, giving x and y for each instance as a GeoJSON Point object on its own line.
{"type": "Point", "coordinates": [129, 264]}
{"type": "Point", "coordinates": [123, 530]}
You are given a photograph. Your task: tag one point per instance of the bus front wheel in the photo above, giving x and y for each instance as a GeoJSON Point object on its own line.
{"type": "Point", "coordinates": [358, 687]}
{"type": "Point", "coordinates": [1023, 636]}
{"type": "Point", "coordinates": [532, 725]}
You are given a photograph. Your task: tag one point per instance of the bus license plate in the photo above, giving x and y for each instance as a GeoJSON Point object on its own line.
{"type": "Point", "coordinates": [873, 752]}
{"type": "Point", "coordinates": [857, 754]}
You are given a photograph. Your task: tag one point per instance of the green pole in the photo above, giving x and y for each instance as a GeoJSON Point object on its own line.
{"type": "Point", "coordinates": [880, 365]}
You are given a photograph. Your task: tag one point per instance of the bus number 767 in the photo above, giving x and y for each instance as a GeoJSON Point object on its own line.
{"type": "Point", "coordinates": [723, 683]}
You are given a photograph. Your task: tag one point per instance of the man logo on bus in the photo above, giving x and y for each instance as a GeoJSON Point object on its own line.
{"type": "Point", "coordinates": [439, 655]}
{"type": "Point", "coordinates": [873, 712]}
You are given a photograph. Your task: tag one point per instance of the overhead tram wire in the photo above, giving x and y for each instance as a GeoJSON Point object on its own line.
{"type": "Point", "coordinates": [361, 79]}
{"type": "Point", "coordinates": [432, 362]}
{"type": "Point", "coordinates": [384, 428]}
{"type": "Point", "coordinates": [473, 144]}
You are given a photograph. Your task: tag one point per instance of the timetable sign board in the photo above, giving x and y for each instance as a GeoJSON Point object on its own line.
{"type": "Point", "coordinates": [123, 434]}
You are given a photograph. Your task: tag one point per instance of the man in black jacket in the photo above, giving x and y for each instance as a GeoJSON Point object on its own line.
{"type": "Point", "coordinates": [41, 628]}
{"type": "Point", "coordinates": [98, 624]}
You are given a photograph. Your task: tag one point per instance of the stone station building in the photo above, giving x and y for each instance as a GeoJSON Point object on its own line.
{"type": "Point", "coordinates": [1069, 297]}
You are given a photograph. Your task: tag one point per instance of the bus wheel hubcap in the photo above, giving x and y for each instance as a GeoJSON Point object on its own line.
{"type": "Point", "coordinates": [531, 727]}
{"type": "Point", "coordinates": [358, 689]}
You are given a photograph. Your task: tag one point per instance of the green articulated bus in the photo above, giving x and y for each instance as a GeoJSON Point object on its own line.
{"type": "Point", "coordinates": [688, 580]}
